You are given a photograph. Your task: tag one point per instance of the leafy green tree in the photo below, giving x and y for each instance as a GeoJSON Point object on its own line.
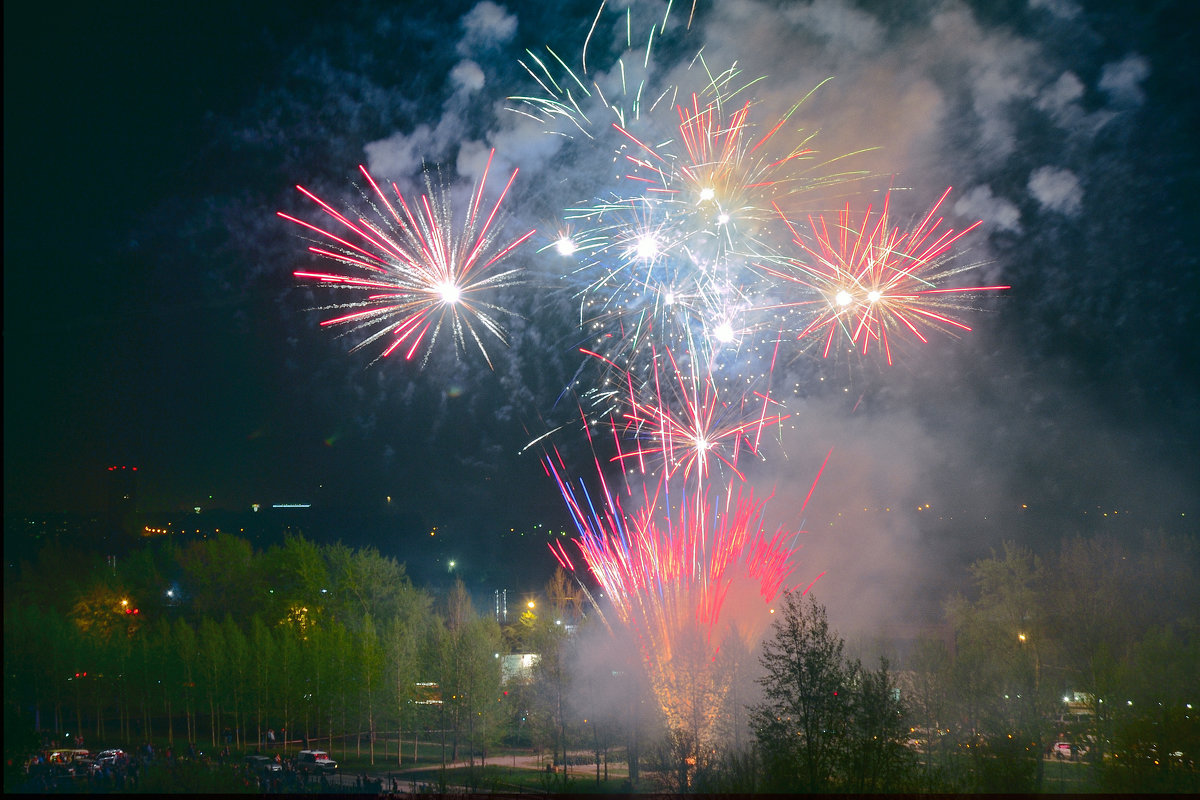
{"type": "Point", "coordinates": [931, 711]}
{"type": "Point", "coordinates": [738, 667]}
{"type": "Point", "coordinates": [693, 701]}
{"type": "Point", "coordinates": [1156, 730]}
{"type": "Point", "coordinates": [801, 724]}
{"type": "Point", "coordinates": [24, 665]}
{"type": "Point", "coordinates": [220, 573]}
{"type": "Point", "coordinates": [239, 669]}
{"type": "Point", "coordinates": [323, 678]}
{"type": "Point", "coordinates": [401, 642]}
{"type": "Point", "coordinates": [469, 671]}
{"type": "Point", "coordinates": [288, 675]}
{"type": "Point", "coordinates": [1090, 613]}
{"type": "Point", "coordinates": [482, 683]}
{"type": "Point", "coordinates": [877, 759]}
{"type": "Point", "coordinates": [299, 576]}
{"type": "Point", "coordinates": [371, 655]}
{"type": "Point", "coordinates": [1003, 641]}
{"type": "Point", "coordinates": [552, 684]}
{"type": "Point", "coordinates": [263, 664]}
{"type": "Point", "coordinates": [186, 656]}
{"type": "Point", "coordinates": [363, 582]}
{"type": "Point", "coordinates": [211, 668]}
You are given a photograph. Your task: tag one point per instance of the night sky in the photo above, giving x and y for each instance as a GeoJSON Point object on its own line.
{"type": "Point", "coordinates": [151, 317]}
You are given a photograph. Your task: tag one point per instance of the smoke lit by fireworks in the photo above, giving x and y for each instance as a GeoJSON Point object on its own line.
{"type": "Point", "coordinates": [683, 572]}
{"type": "Point", "coordinates": [687, 294]}
{"type": "Point", "coordinates": [690, 277]}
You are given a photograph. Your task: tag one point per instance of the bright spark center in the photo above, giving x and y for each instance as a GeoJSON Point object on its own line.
{"type": "Point", "coordinates": [722, 218]}
{"type": "Point", "coordinates": [565, 246]}
{"type": "Point", "coordinates": [646, 247]}
{"type": "Point", "coordinates": [843, 298]}
{"type": "Point", "coordinates": [724, 332]}
{"type": "Point", "coordinates": [703, 444]}
{"type": "Point", "coordinates": [707, 194]}
{"type": "Point", "coordinates": [669, 298]}
{"type": "Point", "coordinates": [449, 293]}
{"type": "Point", "coordinates": [873, 296]}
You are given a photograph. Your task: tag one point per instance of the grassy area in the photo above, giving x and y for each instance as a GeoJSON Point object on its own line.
{"type": "Point", "coordinates": [353, 760]}
{"type": "Point", "coordinates": [1060, 777]}
{"type": "Point", "coordinates": [497, 777]}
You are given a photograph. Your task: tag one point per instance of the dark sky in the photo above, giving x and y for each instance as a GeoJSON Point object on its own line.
{"type": "Point", "coordinates": [151, 316]}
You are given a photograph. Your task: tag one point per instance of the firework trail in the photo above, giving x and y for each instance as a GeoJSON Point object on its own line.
{"type": "Point", "coordinates": [573, 101]}
{"type": "Point", "coordinates": [685, 300]}
{"type": "Point", "coordinates": [872, 281]}
{"type": "Point", "coordinates": [683, 574]}
{"type": "Point", "coordinates": [690, 279]}
{"type": "Point", "coordinates": [665, 261]}
{"type": "Point", "coordinates": [414, 271]}
{"type": "Point", "coordinates": [686, 425]}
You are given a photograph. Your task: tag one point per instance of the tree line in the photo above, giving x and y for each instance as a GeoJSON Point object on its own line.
{"type": "Point", "coordinates": [210, 641]}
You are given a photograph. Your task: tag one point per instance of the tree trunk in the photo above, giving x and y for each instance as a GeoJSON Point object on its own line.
{"type": "Point", "coordinates": [212, 719]}
{"type": "Point", "coordinates": [170, 723]}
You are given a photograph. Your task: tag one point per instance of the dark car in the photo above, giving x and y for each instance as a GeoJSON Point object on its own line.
{"type": "Point", "coordinates": [107, 758]}
{"type": "Point", "coordinates": [315, 761]}
{"type": "Point", "coordinates": [262, 765]}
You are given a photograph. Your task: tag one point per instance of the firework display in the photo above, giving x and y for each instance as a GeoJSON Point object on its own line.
{"type": "Point", "coordinates": [418, 271]}
{"type": "Point", "coordinates": [691, 279]}
{"type": "Point", "coordinates": [872, 280]}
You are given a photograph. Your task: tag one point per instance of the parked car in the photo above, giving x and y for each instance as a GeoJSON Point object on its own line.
{"type": "Point", "coordinates": [315, 761]}
{"type": "Point", "coordinates": [72, 761]}
{"type": "Point", "coordinates": [262, 765]}
{"type": "Point", "coordinates": [1067, 750]}
{"type": "Point", "coordinates": [107, 758]}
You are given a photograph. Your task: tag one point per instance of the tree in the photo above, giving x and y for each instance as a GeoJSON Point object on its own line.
{"type": "Point", "coordinates": [1003, 640]}
{"type": "Point", "coordinates": [212, 669]}
{"type": "Point", "coordinates": [301, 573]}
{"type": "Point", "coordinates": [238, 662]}
{"type": "Point", "coordinates": [183, 637]}
{"type": "Point", "coordinates": [371, 655]}
{"type": "Point", "coordinates": [876, 757]}
{"type": "Point", "coordinates": [220, 574]}
{"type": "Point", "coordinates": [262, 661]}
{"type": "Point", "coordinates": [694, 687]}
{"type": "Point", "coordinates": [401, 641]}
{"type": "Point", "coordinates": [1156, 730]}
{"type": "Point", "coordinates": [802, 722]}
{"type": "Point", "coordinates": [552, 683]}
{"type": "Point", "coordinates": [365, 582]}
{"type": "Point", "coordinates": [469, 670]}
{"type": "Point", "coordinates": [930, 708]}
